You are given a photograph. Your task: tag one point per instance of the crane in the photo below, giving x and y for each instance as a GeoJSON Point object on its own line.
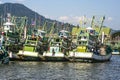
{"type": "Point", "coordinates": [92, 22]}
{"type": "Point", "coordinates": [101, 25]}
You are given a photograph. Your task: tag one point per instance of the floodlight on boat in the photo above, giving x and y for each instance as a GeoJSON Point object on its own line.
{"type": "Point", "coordinates": [8, 24]}
{"type": "Point", "coordinates": [89, 28]}
{"type": "Point", "coordinates": [83, 39]}
{"type": "Point", "coordinates": [63, 31]}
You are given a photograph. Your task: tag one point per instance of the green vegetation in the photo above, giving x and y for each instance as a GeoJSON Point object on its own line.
{"type": "Point", "coordinates": [19, 10]}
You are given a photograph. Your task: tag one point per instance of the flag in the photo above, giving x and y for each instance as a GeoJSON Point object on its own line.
{"type": "Point", "coordinates": [33, 23]}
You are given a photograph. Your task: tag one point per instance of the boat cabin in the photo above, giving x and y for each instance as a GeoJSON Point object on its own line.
{"type": "Point", "coordinates": [8, 27]}
{"type": "Point", "coordinates": [41, 33]}
{"type": "Point", "coordinates": [30, 44]}
{"type": "Point", "coordinates": [86, 39]}
{"type": "Point", "coordinates": [64, 33]}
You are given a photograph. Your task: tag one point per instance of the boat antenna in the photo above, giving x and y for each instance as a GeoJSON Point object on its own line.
{"type": "Point", "coordinates": [92, 21]}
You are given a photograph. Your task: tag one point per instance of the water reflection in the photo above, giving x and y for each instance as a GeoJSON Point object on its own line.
{"type": "Point", "coordinates": [61, 70]}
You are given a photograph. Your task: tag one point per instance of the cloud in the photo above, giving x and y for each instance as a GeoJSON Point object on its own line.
{"type": "Point", "coordinates": [47, 16]}
{"type": "Point", "coordinates": [109, 19]}
{"type": "Point", "coordinates": [19, 1]}
{"type": "Point", "coordinates": [63, 18]}
{"type": "Point", "coordinates": [74, 19]}
{"type": "Point", "coordinates": [80, 20]}
{"type": "Point", "coordinates": [0, 2]}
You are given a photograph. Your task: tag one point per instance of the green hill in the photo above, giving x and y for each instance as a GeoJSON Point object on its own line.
{"type": "Point", "coordinates": [21, 10]}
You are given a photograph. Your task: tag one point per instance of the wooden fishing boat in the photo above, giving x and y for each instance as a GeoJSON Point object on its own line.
{"type": "Point", "coordinates": [87, 48]}
{"type": "Point", "coordinates": [13, 34]}
{"type": "Point", "coordinates": [4, 56]}
{"type": "Point", "coordinates": [28, 52]}
{"type": "Point", "coordinates": [55, 51]}
{"type": "Point", "coordinates": [33, 48]}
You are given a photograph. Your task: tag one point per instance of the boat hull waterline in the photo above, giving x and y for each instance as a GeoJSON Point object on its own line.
{"type": "Point", "coordinates": [47, 56]}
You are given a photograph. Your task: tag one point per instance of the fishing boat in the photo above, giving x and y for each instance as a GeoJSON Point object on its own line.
{"type": "Point", "coordinates": [89, 47]}
{"type": "Point", "coordinates": [92, 42]}
{"type": "Point", "coordinates": [33, 47]}
{"type": "Point", "coordinates": [56, 50]}
{"type": "Point", "coordinates": [115, 47]}
{"type": "Point", "coordinates": [12, 34]}
{"type": "Point", "coordinates": [4, 56]}
{"type": "Point", "coordinates": [115, 43]}
{"type": "Point", "coordinates": [29, 49]}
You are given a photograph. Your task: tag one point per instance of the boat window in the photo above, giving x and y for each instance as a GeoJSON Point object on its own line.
{"type": "Point", "coordinates": [11, 28]}
{"type": "Point", "coordinates": [57, 40]}
{"type": "Point", "coordinates": [85, 37]}
{"type": "Point", "coordinates": [31, 43]}
{"type": "Point", "coordinates": [79, 37]}
{"type": "Point", "coordinates": [92, 32]}
{"type": "Point", "coordinates": [61, 33]}
{"type": "Point", "coordinates": [79, 43]}
{"type": "Point", "coordinates": [67, 34]}
{"type": "Point", "coordinates": [55, 44]}
{"type": "Point", "coordinates": [28, 42]}
{"type": "Point", "coordinates": [81, 32]}
{"type": "Point", "coordinates": [42, 34]}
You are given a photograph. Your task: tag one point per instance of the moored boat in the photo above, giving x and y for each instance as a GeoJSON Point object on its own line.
{"type": "Point", "coordinates": [4, 56]}
{"type": "Point", "coordinates": [33, 47]}
{"type": "Point", "coordinates": [89, 46]}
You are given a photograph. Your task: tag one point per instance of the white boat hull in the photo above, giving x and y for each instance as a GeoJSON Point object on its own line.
{"type": "Point", "coordinates": [70, 55]}
{"type": "Point", "coordinates": [116, 53]}
{"type": "Point", "coordinates": [28, 53]}
{"type": "Point", "coordinates": [81, 55]}
{"type": "Point", "coordinates": [102, 57]}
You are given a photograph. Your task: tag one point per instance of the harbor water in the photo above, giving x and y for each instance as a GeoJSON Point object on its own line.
{"type": "Point", "coordinates": [31, 70]}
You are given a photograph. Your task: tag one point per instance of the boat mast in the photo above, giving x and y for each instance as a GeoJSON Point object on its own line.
{"type": "Point", "coordinates": [52, 29]}
{"type": "Point", "coordinates": [25, 28]}
{"type": "Point", "coordinates": [92, 23]}
{"type": "Point", "coordinates": [99, 32]}
{"type": "Point", "coordinates": [43, 28]}
{"type": "Point", "coordinates": [101, 25]}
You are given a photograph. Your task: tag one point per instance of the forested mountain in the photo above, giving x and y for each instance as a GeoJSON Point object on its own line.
{"type": "Point", "coordinates": [20, 10]}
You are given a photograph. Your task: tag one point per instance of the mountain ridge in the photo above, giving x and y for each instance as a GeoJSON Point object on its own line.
{"type": "Point", "coordinates": [20, 10]}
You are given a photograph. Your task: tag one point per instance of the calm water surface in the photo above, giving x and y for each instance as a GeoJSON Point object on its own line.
{"type": "Point", "coordinates": [61, 70]}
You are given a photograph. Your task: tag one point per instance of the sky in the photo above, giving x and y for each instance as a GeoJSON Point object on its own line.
{"type": "Point", "coordinates": [75, 11]}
